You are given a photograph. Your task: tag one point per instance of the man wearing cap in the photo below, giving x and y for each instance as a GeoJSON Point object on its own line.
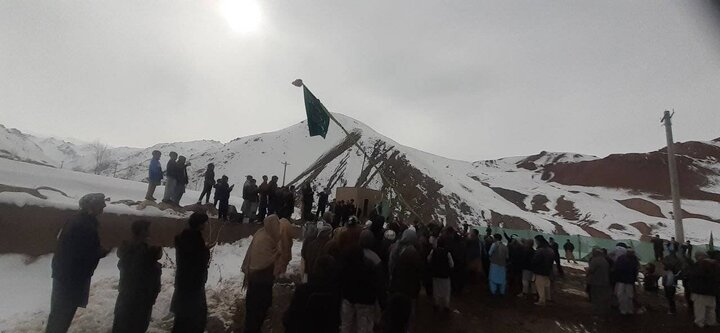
{"type": "Point", "coordinates": [76, 257]}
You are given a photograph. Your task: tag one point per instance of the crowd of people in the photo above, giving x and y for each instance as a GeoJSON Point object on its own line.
{"type": "Point", "coordinates": [357, 277]}
{"type": "Point", "coordinates": [360, 277]}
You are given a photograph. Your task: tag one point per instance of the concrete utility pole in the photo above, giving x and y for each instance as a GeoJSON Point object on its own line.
{"type": "Point", "coordinates": [285, 165]}
{"type": "Point", "coordinates": [674, 182]}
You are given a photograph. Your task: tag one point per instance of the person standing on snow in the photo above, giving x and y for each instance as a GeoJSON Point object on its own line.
{"type": "Point", "coordinates": [263, 193]}
{"type": "Point", "coordinates": [76, 257]}
{"type": "Point", "coordinates": [139, 281]}
{"type": "Point", "coordinates": [172, 175]}
{"type": "Point", "coordinates": [155, 175]}
{"type": "Point", "coordinates": [182, 178]}
{"type": "Point", "coordinates": [189, 303]}
{"type": "Point", "coordinates": [322, 203]}
{"type": "Point", "coordinates": [272, 193]}
{"type": "Point", "coordinates": [556, 258]}
{"type": "Point", "coordinates": [208, 183]}
{"type": "Point", "coordinates": [307, 200]}
{"type": "Point", "coordinates": [569, 249]}
{"type": "Point", "coordinates": [222, 195]}
{"type": "Point", "coordinates": [253, 198]}
{"type": "Point", "coordinates": [246, 189]}
{"type": "Point", "coordinates": [263, 263]}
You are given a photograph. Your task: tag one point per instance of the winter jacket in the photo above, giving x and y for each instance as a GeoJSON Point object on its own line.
{"type": "Point", "coordinates": [252, 193]}
{"type": "Point", "coordinates": [361, 277]}
{"type": "Point", "coordinates": [263, 190]}
{"type": "Point", "coordinates": [155, 173]}
{"type": "Point", "coordinates": [703, 277]}
{"type": "Point", "coordinates": [209, 178]}
{"type": "Point", "coordinates": [626, 269]}
{"type": "Point", "coordinates": [139, 269]}
{"type": "Point", "coordinates": [192, 258]}
{"type": "Point", "coordinates": [441, 263]}
{"type": "Point", "coordinates": [542, 261]}
{"type": "Point", "coordinates": [222, 191]}
{"type": "Point", "coordinates": [498, 254]}
{"type": "Point", "coordinates": [246, 190]}
{"type": "Point", "coordinates": [172, 170]}
{"type": "Point", "coordinates": [314, 308]}
{"type": "Point", "coordinates": [598, 273]}
{"type": "Point", "coordinates": [322, 199]}
{"type": "Point", "coordinates": [556, 249]}
{"type": "Point", "coordinates": [77, 255]}
{"type": "Point", "coordinates": [569, 247]}
{"type": "Point", "coordinates": [182, 176]}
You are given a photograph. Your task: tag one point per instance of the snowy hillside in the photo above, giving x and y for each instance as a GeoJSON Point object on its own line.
{"type": "Point", "coordinates": [619, 196]}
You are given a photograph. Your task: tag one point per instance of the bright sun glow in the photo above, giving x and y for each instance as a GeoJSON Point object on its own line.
{"type": "Point", "coordinates": [243, 16]}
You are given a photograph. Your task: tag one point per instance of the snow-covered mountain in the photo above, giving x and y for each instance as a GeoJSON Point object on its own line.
{"type": "Point", "coordinates": [619, 196]}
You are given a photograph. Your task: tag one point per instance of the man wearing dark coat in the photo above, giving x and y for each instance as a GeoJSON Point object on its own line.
{"type": "Point", "coordinates": [208, 183]}
{"type": "Point", "coordinates": [263, 190]}
{"type": "Point", "coordinates": [307, 199]}
{"type": "Point", "coordinates": [139, 281]}
{"type": "Point", "coordinates": [193, 257]}
{"type": "Point", "coordinates": [76, 257]}
{"type": "Point", "coordinates": [272, 194]}
{"type": "Point", "coordinates": [322, 203]}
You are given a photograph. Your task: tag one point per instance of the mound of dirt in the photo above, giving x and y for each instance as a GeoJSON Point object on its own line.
{"type": "Point", "coordinates": [566, 209]}
{"type": "Point", "coordinates": [515, 197]}
{"type": "Point", "coordinates": [539, 202]}
{"type": "Point", "coordinates": [643, 206]}
{"type": "Point", "coordinates": [34, 229]}
{"type": "Point", "coordinates": [509, 222]}
{"type": "Point", "coordinates": [646, 172]}
{"type": "Point", "coordinates": [645, 230]}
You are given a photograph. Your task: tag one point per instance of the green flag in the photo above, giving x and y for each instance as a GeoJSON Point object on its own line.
{"type": "Point", "coordinates": [318, 117]}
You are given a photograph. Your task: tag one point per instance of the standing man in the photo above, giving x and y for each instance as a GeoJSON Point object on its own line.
{"type": "Point", "coordinates": [263, 192]}
{"type": "Point", "coordinates": [76, 257]}
{"type": "Point", "coordinates": [657, 243]}
{"type": "Point", "coordinates": [182, 178]}
{"type": "Point", "coordinates": [556, 248]}
{"type": "Point", "coordinates": [245, 208]}
{"type": "Point", "coordinates": [222, 194]}
{"type": "Point", "coordinates": [322, 203]}
{"type": "Point", "coordinates": [272, 193]}
{"type": "Point", "coordinates": [498, 261]}
{"type": "Point", "coordinates": [542, 263]}
{"type": "Point", "coordinates": [569, 248]}
{"type": "Point", "coordinates": [172, 174]}
{"type": "Point", "coordinates": [208, 183]}
{"type": "Point", "coordinates": [626, 270]}
{"type": "Point", "coordinates": [193, 258]}
{"type": "Point", "coordinates": [155, 175]}
{"type": "Point", "coordinates": [253, 198]}
{"type": "Point", "coordinates": [307, 199]}
{"type": "Point", "coordinates": [139, 280]}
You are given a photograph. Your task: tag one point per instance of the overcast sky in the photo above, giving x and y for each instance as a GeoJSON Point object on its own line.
{"type": "Point", "coordinates": [463, 79]}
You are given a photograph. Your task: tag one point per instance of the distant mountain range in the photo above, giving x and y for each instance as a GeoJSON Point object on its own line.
{"type": "Point", "coordinates": [619, 196]}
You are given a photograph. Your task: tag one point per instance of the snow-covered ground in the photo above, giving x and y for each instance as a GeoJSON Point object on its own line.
{"type": "Point", "coordinates": [76, 184]}
{"type": "Point", "coordinates": [26, 287]}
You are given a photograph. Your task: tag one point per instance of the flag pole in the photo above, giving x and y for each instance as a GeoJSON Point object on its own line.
{"type": "Point", "coordinates": [300, 83]}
